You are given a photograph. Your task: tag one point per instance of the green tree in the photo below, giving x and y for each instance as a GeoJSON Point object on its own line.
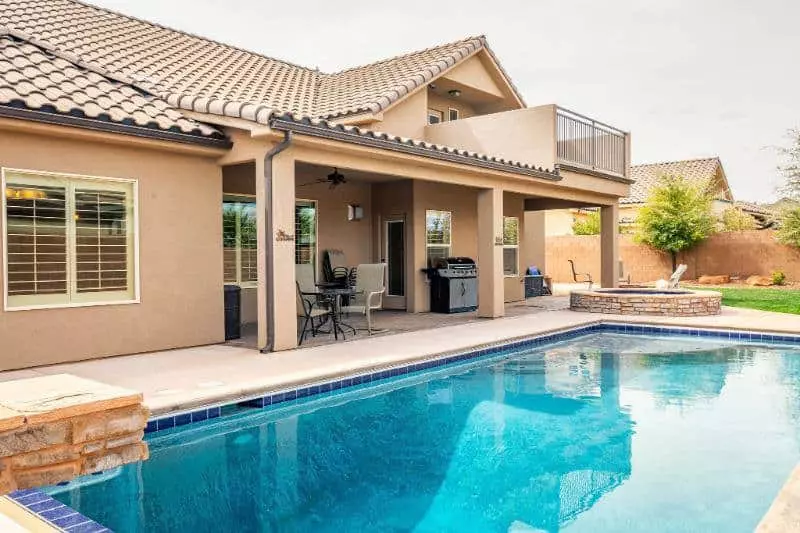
{"type": "Point", "coordinates": [676, 216]}
{"type": "Point", "coordinates": [587, 225]}
{"type": "Point", "coordinates": [789, 227]}
{"type": "Point", "coordinates": [734, 219]}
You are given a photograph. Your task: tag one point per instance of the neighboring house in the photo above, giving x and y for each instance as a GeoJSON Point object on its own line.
{"type": "Point", "coordinates": [144, 168]}
{"type": "Point", "coordinates": [708, 170]}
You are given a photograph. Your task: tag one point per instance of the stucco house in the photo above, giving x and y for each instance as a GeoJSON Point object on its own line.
{"type": "Point", "coordinates": [646, 176]}
{"type": "Point", "coordinates": [144, 167]}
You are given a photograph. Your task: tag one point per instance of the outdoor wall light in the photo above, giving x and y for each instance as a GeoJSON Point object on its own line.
{"type": "Point", "coordinates": [455, 93]}
{"type": "Point", "coordinates": [355, 212]}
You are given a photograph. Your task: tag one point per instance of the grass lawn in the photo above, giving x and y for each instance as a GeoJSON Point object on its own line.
{"type": "Point", "coordinates": [780, 300]}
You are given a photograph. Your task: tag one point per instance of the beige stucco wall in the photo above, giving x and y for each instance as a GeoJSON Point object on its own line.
{"type": "Point", "coordinates": [440, 103]}
{"type": "Point", "coordinates": [180, 235]}
{"type": "Point", "coordinates": [558, 222]}
{"type": "Point", "coordinates": [407, 119]}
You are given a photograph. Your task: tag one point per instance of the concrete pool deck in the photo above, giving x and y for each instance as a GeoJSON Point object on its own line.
{"type": "Point", "coordinates": [177, 380]}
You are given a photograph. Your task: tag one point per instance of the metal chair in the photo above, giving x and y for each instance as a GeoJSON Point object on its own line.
{"type": "Point", "coordinates": [307, 312]}
{"type": "Point", "coordinates": [370, 287]}
{"type": "Point", "coordinates": [587, 278]}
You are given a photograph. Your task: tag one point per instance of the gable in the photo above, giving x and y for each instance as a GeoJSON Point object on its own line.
{"type": "Point", "coordinates": [473, 73]}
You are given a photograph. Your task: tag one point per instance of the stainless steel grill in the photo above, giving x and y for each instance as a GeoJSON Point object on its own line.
{"type": "Point", "coordinates": [454, 285]}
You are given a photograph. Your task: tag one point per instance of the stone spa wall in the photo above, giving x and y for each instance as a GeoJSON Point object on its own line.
{"type": "Point", "coordinates": [683, 303]}
{"type": "Point", "coordinates": [55, 428]}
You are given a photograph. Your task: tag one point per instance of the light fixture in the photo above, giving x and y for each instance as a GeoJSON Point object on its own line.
{"type": "Point", "coordinates": [455, 93]}
{"type": "Point", "coordinates": [355, 212]}
{"type": "Point", "coordinates": [432, 86]}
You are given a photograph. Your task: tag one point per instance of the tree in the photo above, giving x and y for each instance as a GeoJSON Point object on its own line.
{"type": "Point", "coordinates": [676, 216]}
{"type": "Point", "coordinates": [789, 227]}
{"type": "Point", "coordinates": [791, 166]}
{"type": "Point", "coordinates": [734, 219]}
{"type": "Point", "coordinates": [587, 225]}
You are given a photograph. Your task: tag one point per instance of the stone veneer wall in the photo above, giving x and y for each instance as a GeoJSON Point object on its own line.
{"type": "Point", "coordinates": [692, 304]}
{"type": "Point", "coordinates": [55, 428]}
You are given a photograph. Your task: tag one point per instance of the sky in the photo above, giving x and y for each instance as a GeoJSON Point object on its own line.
{"type": "Point", "coordinates": [687, 78]}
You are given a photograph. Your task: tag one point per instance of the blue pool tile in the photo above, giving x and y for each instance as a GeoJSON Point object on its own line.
{"type": "Point", "coordinates": [71, 520]}
{"type": "Point", "coordinates": [291, 395]}
{"type": "Point", "coordinates": [166, 423]}
{"type": "Point", "coordinates": [200, 415]}
{"type": "Point", "coordinates": [22, 493]}
{"type": "Point", "coordinates": [151, 426]}
{"type": "Point", "coordinates": [29, 497]}
{"type": "Point", "coordinates": [183, 419]}
{"type": "Point", "coordinates": [89, 527]}
{"type": "Point", "coordinates": [213, 412]}
{"type": "Point", "coordinates": [255, 402]}
{"type": "Point", "coordinates": [57, 512]}
{"type": "Point", "coordinates": [44, 505]}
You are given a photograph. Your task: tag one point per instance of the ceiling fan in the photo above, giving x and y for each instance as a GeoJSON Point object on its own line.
{"type": "Point", "coordinates": [335, 178]}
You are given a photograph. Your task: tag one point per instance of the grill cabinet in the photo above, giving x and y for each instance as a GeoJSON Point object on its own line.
{"type": "Point", "coordinates": [454, 285]}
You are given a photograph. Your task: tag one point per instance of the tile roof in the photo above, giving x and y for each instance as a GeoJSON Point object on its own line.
{"type": "Point", "coordinates": [36, 80]}
{"type": "Point", "coordinates": [646, 176]}
{"type": "Point", "coordinates": [203, 75]}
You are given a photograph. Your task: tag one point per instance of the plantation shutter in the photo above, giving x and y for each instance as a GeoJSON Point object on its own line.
{"type": "Point", "coordinates": [101, 240]}
{"type": "Point", "coordinates": [36, 240]}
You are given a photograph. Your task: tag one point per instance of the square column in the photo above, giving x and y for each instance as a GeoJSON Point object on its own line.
{"type": "Point", "coordinates": [490, 253]}
{"type": "Point", "coordinates": [609, 246]}
{"type": "Point", "coordinates": [282, 278]}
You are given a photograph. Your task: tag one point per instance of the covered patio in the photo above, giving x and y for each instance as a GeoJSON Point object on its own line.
{"type": "Point", "coordinates": [377, 204]}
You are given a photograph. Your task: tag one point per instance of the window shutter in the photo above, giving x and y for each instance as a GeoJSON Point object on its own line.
{"type": "Point", "coordinates": [101, 240]}
{"type": "Point", "coordinates": [36, 232]}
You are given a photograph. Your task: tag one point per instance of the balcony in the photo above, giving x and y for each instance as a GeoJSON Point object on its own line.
{"type": "Point", "coordinates": [589, 144]}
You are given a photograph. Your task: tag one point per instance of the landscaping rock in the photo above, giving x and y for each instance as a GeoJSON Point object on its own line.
{"type": "Point", "coordinates": [759, 281]}
{"type": "Point", "coordinates": [714, 280]}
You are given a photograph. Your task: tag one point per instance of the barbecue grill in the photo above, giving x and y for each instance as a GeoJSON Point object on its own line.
{"type": "Point", "coordinates": [454, 285]}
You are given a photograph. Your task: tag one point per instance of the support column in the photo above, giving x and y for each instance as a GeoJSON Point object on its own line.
{"type": "Point", "coordinates": [283, 275]}
{"type": "Point", "coordinates": [490, 253]}
{"type": "Point", "coordinates": [609, 246]}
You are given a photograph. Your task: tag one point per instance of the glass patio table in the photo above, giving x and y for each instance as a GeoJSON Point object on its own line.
{"type": "Point", "coordinates": [334, 293]}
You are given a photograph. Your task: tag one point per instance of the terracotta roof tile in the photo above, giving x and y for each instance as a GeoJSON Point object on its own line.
{"type": "Point", "coordinates": [646, 176]}
{"type": "Point", "coordinates": [200, 74]}
{"type": "Point", "coordinates": [36, 80]}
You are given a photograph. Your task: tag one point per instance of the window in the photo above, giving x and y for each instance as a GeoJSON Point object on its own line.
{"type": "Point", "coordinates": [69, 240]}
{"type": "Point", "coordinates": [435, 116]}
{"type": "Point", "coordinates": [240, 242]}
{"type": "Point", "coordinates": [510, 246]}
{"type": "Point", "coordinates": [305, 232]}
{"type": "Point", "coordinates": [240, 237]}
{"type": "Point", "coordinates": [453, 114]}
{"type": "Point", "coordinates": [438, 226]}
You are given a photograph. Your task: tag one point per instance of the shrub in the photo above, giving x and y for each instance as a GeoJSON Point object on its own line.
{"type": "Point", "coordinates": [778, 277]}
{"type": "Point", "coordinates": [734, 219]}
{"type": "Point", "coordinates": [588, 225]}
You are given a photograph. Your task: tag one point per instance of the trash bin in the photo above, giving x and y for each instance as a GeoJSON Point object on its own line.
{"type": "Point", "coordinates": [534, 286]}
{"type": "Point", "coordinates": [233, 313]}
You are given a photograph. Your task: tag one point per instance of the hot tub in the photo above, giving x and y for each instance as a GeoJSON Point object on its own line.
{"type": "Point", "coordinates": [642, 301]}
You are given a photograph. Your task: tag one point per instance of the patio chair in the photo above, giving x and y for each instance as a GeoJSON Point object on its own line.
{"type": "Point", "coordinates": [370, 287]}
{"type": "Point", "coordinates": [307, 311]}
{"type": "Point", "coordinates": [306, 280]}
{"type": "Point", "coordinates": [585, 276]}
{"type": "Point", "coordinates": [334, 267]}
{"type": "Point", "coordinates": [674, 280]}
{"type": "Point", "coordinates": [624, 279]}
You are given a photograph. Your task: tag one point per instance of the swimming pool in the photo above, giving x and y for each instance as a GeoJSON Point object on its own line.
{"type": "Point", "coordinates": [605, 432]}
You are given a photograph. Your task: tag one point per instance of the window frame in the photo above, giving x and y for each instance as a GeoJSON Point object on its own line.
{"type": "Point", "coordinates": [315, 256]}
{"type": "Point", "coordinates": [511, 247]}
{"type": "Point", "coordinates": [428, 245]}
{"type": "Point", "coordinates": [82, 302]}
{"type": "Point", "coordinates": [249, 199]}
{"type": "Point", "coordinates": [451, 111]}
{"type": "Point", "coordinates": [435, 113]}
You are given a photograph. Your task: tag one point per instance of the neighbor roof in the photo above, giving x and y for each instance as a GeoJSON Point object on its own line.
{"type": "Point", "coordinates": [40, 85]}
{"type": "Point", "coordinates": [647, 176]}
{"type": "Point", "coordinates": [203, 75]}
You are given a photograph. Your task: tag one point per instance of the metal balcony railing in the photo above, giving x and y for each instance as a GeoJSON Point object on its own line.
{"type": "Point", "coordinates": [584, 141]}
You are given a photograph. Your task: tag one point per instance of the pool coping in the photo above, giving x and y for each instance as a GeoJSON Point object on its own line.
{"type": "Point", "coordinates": [67, 519]}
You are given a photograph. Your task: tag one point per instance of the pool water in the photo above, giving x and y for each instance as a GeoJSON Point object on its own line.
{"type": "Point", "coordinates": [605, 433]}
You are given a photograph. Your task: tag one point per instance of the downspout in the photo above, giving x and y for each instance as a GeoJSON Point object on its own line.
{"type": "Point", "coordinates": [270, 239]}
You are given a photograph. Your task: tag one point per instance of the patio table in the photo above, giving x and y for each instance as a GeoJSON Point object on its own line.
{"type": "Point", "coordinates": [333, 295]}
